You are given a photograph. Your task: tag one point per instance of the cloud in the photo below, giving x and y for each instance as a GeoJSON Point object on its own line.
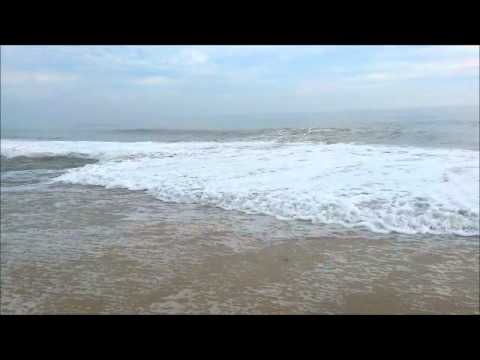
{"type": "Point", "coordinates": [406, 70]}
{"type": "Point", "coordinates": [195, 79]}
{"type": "Point", "coordinates": [393, 73]}
{"type": "Point", "coordinates": [153, 80]}
{"type": "Point", "coordinates": [189, 57]}
{"type": "Point", "coordinates": [13, 78]}
{"type": "Point", "coordinates": [143, 58]}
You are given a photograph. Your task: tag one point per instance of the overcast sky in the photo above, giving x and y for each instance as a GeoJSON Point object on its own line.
{"type": "Point", "coordinates": [152, 85]}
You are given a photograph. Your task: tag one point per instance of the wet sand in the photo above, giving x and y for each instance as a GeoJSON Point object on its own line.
{"type": "Point", "coordinates": [89, 250]}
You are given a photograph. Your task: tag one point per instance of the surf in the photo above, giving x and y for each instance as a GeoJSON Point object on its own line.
{"type": "Point", "coordinates": [382, 188]}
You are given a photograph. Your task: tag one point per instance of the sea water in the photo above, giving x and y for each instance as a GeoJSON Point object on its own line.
{"type": "Point", "coordinates": [409, 181]}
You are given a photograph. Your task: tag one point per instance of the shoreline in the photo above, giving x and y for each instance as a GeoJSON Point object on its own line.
{"type": "Point", "coordinates": [118, 252]}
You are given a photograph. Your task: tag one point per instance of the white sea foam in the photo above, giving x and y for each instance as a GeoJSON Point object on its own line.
{"type": "Point", "coordinates": [383, 188]}
{"type": "Point", "coordinates": [100, 150]}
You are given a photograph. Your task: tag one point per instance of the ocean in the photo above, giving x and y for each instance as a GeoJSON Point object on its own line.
{"type": "Point", "coordinates": [361, 214]}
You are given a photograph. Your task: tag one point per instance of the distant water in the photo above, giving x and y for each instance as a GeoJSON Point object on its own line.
{"type": "Point", "coordinates": [406, 175]}
{"type": "Point", "coordinates": [403, 175]}
{"type": "Point", "coordinates": [445, 127]}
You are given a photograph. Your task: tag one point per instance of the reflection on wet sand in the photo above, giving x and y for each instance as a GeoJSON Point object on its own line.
{"type": "Point", "coordinates": [92, 250]}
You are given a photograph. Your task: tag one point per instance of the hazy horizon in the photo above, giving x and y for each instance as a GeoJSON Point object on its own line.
{"type": "Point", "coordinates": [233, 122]}
{"type": "Point", "coordinates": [212, 87]}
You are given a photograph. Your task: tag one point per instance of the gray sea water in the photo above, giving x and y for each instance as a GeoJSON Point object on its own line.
{"type": "Point", "coordinates": [350, 213]}
{"type": "Point", "coordinates": [449, 127]}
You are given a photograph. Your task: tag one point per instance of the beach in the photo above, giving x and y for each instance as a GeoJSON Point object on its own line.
{"type": "Point", "coordinates": [355, 218]}
{"type": "Point", "coordinates": [149, 257]}
{"type": "Point", "coordinates": [239, 179]}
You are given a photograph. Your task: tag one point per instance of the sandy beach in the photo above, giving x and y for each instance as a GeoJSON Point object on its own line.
{"type": "Point", "coordinates": [116, 251]}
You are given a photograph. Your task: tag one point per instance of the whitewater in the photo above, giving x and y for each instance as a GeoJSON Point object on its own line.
{"type": "Point", "coordinates": [382, 188]}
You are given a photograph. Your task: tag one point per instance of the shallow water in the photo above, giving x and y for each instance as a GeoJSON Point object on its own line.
{"type": "Point", "coordinates": [86, 249]}
{"type": "Point", "coordinates": [374, 217]}
{"type": "Point", "coordinates": [382, 188]}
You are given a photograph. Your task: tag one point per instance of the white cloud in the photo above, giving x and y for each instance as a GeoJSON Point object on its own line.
{"type": "Point", "coordinates": [12, 78]}
{"type": "Point", "coordinates": [405, 70]}
{"type": "Point", "coordinates": [387, 73]}
{"type": "Point", "coordinates": [143, 58]}
{"type": "Point", "coordinates": [239, 77]}
{"type": "Point", "coordinates": [193, 57]}
{"type": "Point", "coordinates": [154, 80]}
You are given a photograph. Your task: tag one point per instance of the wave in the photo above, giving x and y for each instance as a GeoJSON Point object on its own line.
{"type": "Point", "coordinates": [97, 150]}
{"type": "Point", "coordinates": [383, 188]}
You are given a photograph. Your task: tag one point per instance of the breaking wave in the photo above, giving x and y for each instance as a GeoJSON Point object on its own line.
{"type": "Point", "coordinates": [382, 188]}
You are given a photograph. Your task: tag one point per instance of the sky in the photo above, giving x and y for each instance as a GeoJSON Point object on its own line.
{"type": "Point", "coordinates": [185, 86]}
